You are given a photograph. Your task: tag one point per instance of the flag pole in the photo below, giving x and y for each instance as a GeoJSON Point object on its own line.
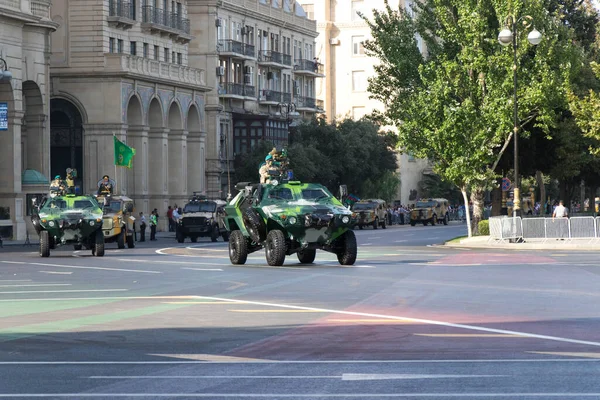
{"type": "Point", "coordinates": [115, 162]}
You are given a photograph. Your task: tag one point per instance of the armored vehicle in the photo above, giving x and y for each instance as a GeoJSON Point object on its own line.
{"type": "Point", "coordinates": [431, 211]}
{"type": "Point", "coordinates": [371, 212]}
{"type": "Point", "coordinates": [201, 217]}
{"type": "Point", "coordinates": [287, 218]}
{"type": "Point", "coordinates": [118, 222]}
{"type": "Point", "coordinates": [69, 219]}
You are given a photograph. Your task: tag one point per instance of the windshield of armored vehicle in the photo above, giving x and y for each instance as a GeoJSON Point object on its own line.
{"type": "Point", "coordinates": [55, 204]}
{"type": "Point", "coordinates": [83, 204]}
{"type": "Point", "coordinates": [363, 206]}
{"type": "Point", "coordinates": [59, 204]}
{"type": "Point", "coordinates": [315, 194]}
{"type": "Point", "coordinates": [207, 206]}
{"type": "Point", "coordinates": [426, 204]}
{"type": "Point", "coordinates": [112, 207]}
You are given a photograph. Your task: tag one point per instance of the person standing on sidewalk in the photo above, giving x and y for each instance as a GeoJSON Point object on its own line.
{"type": "Point", "coordinates": [142, 227]}
{"type": "Point", "coordinates": [560, 211]}
{"type": "Point", "coordinates": [153, 222]}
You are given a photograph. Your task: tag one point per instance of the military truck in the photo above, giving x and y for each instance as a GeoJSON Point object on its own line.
{"type": "Point", "coordinates": [431, 211]}
{"type": "Point", "coordinates": [288, 218]}
{"type": "Point", "coordinates": [118, 221]}
{"type": "Point", "coordinates": [69, 219]}
{"type": "Point", "coordinates": [201, 217]}
{"type": "Point", "coordinates": [370, 212]}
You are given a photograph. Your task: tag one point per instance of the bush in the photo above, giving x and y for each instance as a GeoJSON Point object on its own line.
{"type": "Point", "coordinates": [484, 227]}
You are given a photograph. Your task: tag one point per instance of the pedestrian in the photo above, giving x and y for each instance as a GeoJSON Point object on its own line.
{"type": "Point", "coordinates": [153, 223]}
{"type": "Point", "coordinates": [170, 219]}
{"type": "Point", "coordinates": [142, 227]}
{"type": "Point", "coordinates": [560, 211]}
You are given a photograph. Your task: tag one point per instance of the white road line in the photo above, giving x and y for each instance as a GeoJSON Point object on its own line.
{"type": "Point", "coordinates": [301, 395]}
{"type": "Point", "coordinates": [374, 237]}
{"type": "Point", "coordinates": [365, 244]}
{"type": "Point", "coordinates": [38, 285]}
{"type": "Point", "coordinates": [98, 268]}
{"type": "Point", "coordinates": [14, 262]}
{"type": "Point", "coordinates": [203, 269]}
{"type": "Point", "coordinates": [344, 377]}
{"type": "Point", "coordinates": [400, 241]}
{"type": "Point", "coordinates": [417, 320]}
{"type": "Point", "coordinates": [66, 291]}
{"type": "Point", "coordinates": [56, 272]}
{"type": "Point", "coordinates": [16, 280]}
{"type": "Point", "coordinates": [167, 262]}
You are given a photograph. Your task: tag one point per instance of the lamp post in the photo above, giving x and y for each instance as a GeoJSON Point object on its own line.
{"type": "Point", "coordinates": [507, 36]}
{"type": "Point", "coordinates": [288, 112]}
{"type": "Point", "coordinates": [5, 74]}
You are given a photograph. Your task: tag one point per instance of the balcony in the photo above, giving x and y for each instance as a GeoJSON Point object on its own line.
{"type": "Point", "coordinates": [120, 13]}
{"type": "Point", "coordinates": [166, 23]}
{"type": "Point", "coordinates": [306, 103]}
{"type": "Point", "coordinates": [269, 58]}
{"type": "Point", "coordinates": [270, 97]}
{"type": "Point", "coordinates": [236, 49]}
{"type": "Point", "coordinates": [153, 70]}
{"type": "Point", "coordinates": [308, 67]}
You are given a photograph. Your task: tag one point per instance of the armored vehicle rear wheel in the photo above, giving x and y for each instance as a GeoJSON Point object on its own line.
{"type": "Point", "coordinates": [384, 224]}
{"type": "Point", "coordinates": [194, 239]}
{"type": "Point", "coordinates": [121, 240]}
{"type": "Point", "coordinates": [238, 248]}
{"type": "Point", "coordinates": [254, 225]}
{"type": "Point", "coordinates": [424, 223]}
{"type": "Point", "coordinates": [346, 253]}
{"type": "Point", "coordinates": [376, 223]}
{"type": "Point", "coordinates": [130, 242]}
{"type": "Point", "coordinates": [225, 236]}
{"type": "Point", "coordinates": [44, 244]}
{"type": "Point", "coordinates": [275, 248]}
{"type": "Point", "coordinates": [77, 246]}
{"type": "Point", "coordinates": [214, 233]}
{"type": "Point", "coordinates": [446, 219]}
{"type": "Point", "coordinates": [412, 223]}
{"type": "Point", "coordinates": [307, 256]}
{"type": "Point", "coordinates": [434, 220]}
{"type": "Point", "coordinates": [98, 249]}
{"type": "Point", "coordinates": [179, 236]}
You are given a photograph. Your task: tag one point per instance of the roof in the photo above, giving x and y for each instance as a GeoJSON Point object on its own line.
{"type": "Point", "coordinates": [33, 177]}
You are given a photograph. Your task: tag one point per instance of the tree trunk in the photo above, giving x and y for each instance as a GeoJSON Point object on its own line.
{"type": "Point", "coordinates": [539, 177]}
{"type": "Point", "coordinates": [496, 202]}
{"type": "Point", "coordinates": [477, 200]}
{"type": "Point", "coordinates": [463, 190]}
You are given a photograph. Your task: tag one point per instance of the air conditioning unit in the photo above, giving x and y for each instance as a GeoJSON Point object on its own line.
{"type": "Point", "coordinates": [247, 70]}
{"type": "Point", "coordinates": [334, 42]}
{"type": "Point", "coordinates": [218, 22]}
{"type": "Point", "coordinates": [269, 75]}
{"type": "Point", "coordinates": [297, 90]}
{"type": "Point", "coordinates": [220, 70]}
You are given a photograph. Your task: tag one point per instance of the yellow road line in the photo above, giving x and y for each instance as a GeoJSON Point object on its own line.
{"type": "Point", "coordinates": [386, 321]}
{"type": "Point", "coordinates": [471, 335]}
{"type": "Point", "coordinates": [566, 354]}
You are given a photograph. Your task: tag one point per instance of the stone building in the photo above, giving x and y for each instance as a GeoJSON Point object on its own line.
{"type": "Point", "coordinates": [120, 68]}
{"type": "Point", "coordinates": [24, 108]}
{"type": "Point", "coordinates": [260, 59]}
{"type": "Point", "coordinates": [344, 90]}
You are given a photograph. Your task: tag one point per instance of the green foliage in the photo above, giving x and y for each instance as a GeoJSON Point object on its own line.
{"type": "Point", "coordinates": [433, 186]}
{"type": "Point", "coordinates": [247, 165]}
{"type": "Point", "coordinates": [484, 227]}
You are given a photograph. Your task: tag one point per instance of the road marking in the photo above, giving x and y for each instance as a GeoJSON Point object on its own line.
{"type": "Point", "coordinates": [367, 320]}
{"type": "Point", "coordinates": [378, 377]}
{"type": "Point", "coordinates": [365, 244]}
{"type": "Point", "coordinates": [417, 320]}
{"type": "Point", "coordinates": [567, 354]}
{"type": "Point", "coordinates": [56, 272]}
{"type": "Point", "coordinates": [203, 269]}
{"type": "Point", "coordinates": [344, 377]}
{"type": "Point", "coordinates": [400, 241]}
{"type": "Point", "coordinates": [236, 285]}
{"type": "Point", "coordinates": [374, 237]}
{"type": "Point", "coordinates": [301, 395]}
{"type": "Point", "coordinates": [98, 268]}
{"type": "Point", "coordinates": [472, 335]}
{"type": "Point", "coordinates": [16, 280]}
{"type": "Point", "coordinates": [65, 291]}
{"type": "Point", "coordinates": [14, 262]}
{"type": "Point", "coordinates": [196, 302]}
{"type": "Point", "coordinates": [115, 298]}
{"type": "Point", "coordinates": [278, 311]}
{"type": "Point", "coordinates": [38, 285]}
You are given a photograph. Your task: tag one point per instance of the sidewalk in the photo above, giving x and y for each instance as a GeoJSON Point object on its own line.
{"type": "Point", "coordinates": [484, 242]}
{"type": "Point", "coordinates": [35, 241]}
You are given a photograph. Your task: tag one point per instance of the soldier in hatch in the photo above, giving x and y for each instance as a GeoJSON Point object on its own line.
{"type": "Point", "coordinates": [264, 169]}
{"type": "Point", "coordinates": [57, 186]}
{"type": "Point", "coordinates": [105, 188]}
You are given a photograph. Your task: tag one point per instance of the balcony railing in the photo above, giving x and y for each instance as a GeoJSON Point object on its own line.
{"type": "Point", "coordinates": [306, 102]}
{"type": "Point", "coordinates": [120, 8]}
{"type": "Point", "coordinates": [235, 89]}
{"type": "Point", "coordinates": [271, 95]}
{"type": "Point", "coordinates": [287, 97]}
{"type": "Point", "coordinates": [249, 91]}
{"type": "Point", "coordinates": [151, 68]}
{"type": "Point", "coordinates": [11, 4]}
{"type": "Point", "coordinates": [233, 46]}
{"type": "Point", "coordinates": [309, 66]}
{"type": "Point", "coordinates": [40, 8]}
{"type": "Point", "coordinates": [160, 18]}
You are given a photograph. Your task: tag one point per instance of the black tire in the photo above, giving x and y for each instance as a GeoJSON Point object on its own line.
{"type": "Point", "coordinates": [424, 223]}
{"type": "Point", "coordinates": [376, 223]}
{"type": "Point", "coordinates": [412, 223]}
{"type": "Point", "coordinates": [44, 244]}
{"type": "Point", "coordinates": [238, 248]}
{"type": "Point", "coordinates": [307, 256]}
{"type": "Point", "coordinates": [275, 248]}
{"type": "Point", "coordinates": [121, 239]}
{"type": "Point", "coordinates": [225, 236]}
{"type": "Point", "coordinates": [98, 249]}
{"type": "Point", "coordinates": [347, 249]}
{"type": "Point", "coordinates": [179, 235]}
{"type": "Point", "coordinates": [77, 247]}
{"type": "Point", "coordinates": [434, 220]}
{"type": "Point", "coordinates": [254, 225]}
{"type": "Point", "coordinates": [52, 243]}
{"type": "Point", "coordinates": [214, 233]}
{"type": "Point", "coordinates": [384, 224]}
{"type": "Point", "coordinates": [360, 227]}
{"type": "Point", "coordinates": [446, 218]}
{"type": "Point", "coordinates": [130, 242]}
{"type": "Point", "coordinates": [194, 239]}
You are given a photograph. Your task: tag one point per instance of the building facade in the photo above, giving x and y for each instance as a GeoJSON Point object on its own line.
{"type": "Point", "coordinates": [344, 90]}
{"type": "Point", "coordinates": [24, 108]}
{"type": "Point", "coordinates": [262, 65]}
{"type": "Point", "coordinates": [120, 68]}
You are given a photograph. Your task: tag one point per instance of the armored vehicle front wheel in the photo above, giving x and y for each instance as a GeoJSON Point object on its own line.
{"type": "Point", "coordinates": [225, 236]}
{"type": "Point", "coordinates": [307, 256]}
{"type": "Point", "coordinates": [77, 247]}
{"type": "Point", "coordinates": [194, 239]}
{"type": "Point", "coordinates": [179, 236]}
{"type": "Point", "coordinates": [98, 249]}
{"type": "Point", "coordinates": [383, 224]}
{"type": "Point", "coordinates": [446, 219]}
{"type": "Point", "coordinates": [130, 242]}
{"type": "Point", "coordinates": [275, 248]}
{"type": "Point", "coordinates": [376, 223]}
{"type": "Point", "coordinates": [214, 233]}
{"type": "Point", "coordinates": [44, 244]}
{"type": "Point", "coordinates": [346, 252]}
{"type": "Point", "coordinates": [238, 248]}
{"type": "Point", "coordinates": [412, 223]}
{"type": "Point", "coordinates": [254, 225]}
{"type": "Point", "coordinates": [121, 239]}
{"type": "Point", "coordinates": [434, 220]}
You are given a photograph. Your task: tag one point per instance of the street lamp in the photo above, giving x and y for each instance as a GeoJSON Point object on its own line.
{"type": "Point", "coordinates": [5, 74]}
{"type": "Point", "coordinates": [288, 112]}
{"type": "Point", "coordinates": [507, 36]}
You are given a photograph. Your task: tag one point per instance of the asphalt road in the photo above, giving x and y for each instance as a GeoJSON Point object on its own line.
{"type": "Point", "coordinates": [409, 320]}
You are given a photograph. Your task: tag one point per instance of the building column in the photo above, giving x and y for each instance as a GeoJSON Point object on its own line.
{"type": "Point", "coordinates": [178, 161]}
{"type": "Point", "coordinates": [213, 163]}
{"type": "Point", "coordinates": [158, 186]}
{"type": "Point", "coordinates": [99, 156]}
{"type": "Point", "coordinates": [138, 176]}
{"type": "Point", "coordinates": [196, 163]}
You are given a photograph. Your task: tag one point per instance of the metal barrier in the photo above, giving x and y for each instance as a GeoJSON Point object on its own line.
{"type": "Point", "coordinates": [582, 228]}
{"type": "Point", "coordinates": [534, 228]}
{"type": "Point", "coordinates": [540, 228]}
{"type": "Point", "coordinates": [503, 228]}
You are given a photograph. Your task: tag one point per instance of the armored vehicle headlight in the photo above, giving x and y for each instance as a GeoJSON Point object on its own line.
{"type": "Point", "coordinates": [51, 223]}
{"type": "Point", "coordinates": [345, 219]}
{"type": "Point", "coordinates": [98, 219]}
{"type": "Point", "coordinates": [92, 223]}
{"type": "Point", "coordinates": [292, 220]}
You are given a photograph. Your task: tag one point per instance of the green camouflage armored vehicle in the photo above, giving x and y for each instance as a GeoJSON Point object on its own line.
{"type": "Point", "coordinates": [69, 219]}
{"type": "Point", "coordinates": [287, 218]}
{"type": "Point", "coordinates": [117, 221]}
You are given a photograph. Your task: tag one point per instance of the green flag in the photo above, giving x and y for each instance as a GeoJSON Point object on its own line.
{"type": "Point", "coordinates": [123, 154]}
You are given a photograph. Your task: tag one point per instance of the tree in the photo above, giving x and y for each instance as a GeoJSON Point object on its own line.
{"type": "Point", "coordinates": [453, 106]}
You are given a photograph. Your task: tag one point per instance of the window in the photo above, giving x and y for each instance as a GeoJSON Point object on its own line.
{"type": "Point", "coordinates": [309, 9]}
{"type": "Point", "coordinates": [111, 45]}
{"type": "Point", "coordinates": [357, 6]}
{"type": "Point", "coordinates": [359, 81]}
{"type": "Point", "coordinates": [173, 57]}
{"type": "Point", "coordinates": [145, 50]}
{"type": "Point", "coordinates": [357, 45]}
{"type": "Point", "coordinates": [358, 113]}
{"type": "Point", "coordinates": [120, 46]}
{"type": "Point", "coordinates": [133, 48]}
{"type": "Point", "coordinates": [179, 58]}
{"type": "Point", "coordinates": [156, 53]}
{"type": "Point", "coordinates": [166, 54]}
